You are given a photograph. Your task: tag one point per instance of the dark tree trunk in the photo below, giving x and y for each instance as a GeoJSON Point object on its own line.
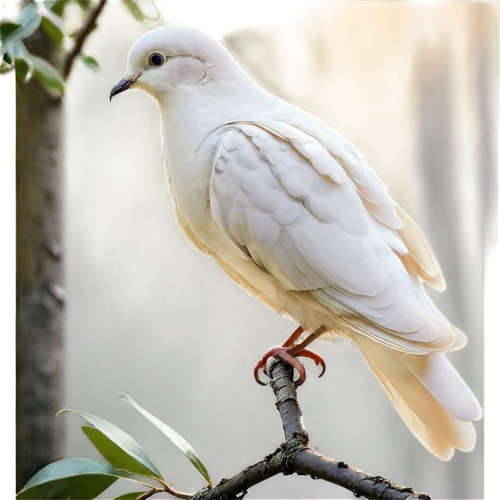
{"type": "Point", "coordinates": [39, 295]}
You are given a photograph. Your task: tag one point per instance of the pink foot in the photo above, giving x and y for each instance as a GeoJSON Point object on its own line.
{"type": "Point", "coordinates": [283, 353]}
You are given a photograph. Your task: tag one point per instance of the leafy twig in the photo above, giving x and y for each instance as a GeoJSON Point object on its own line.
{"type": "Point", "coordinates": [175, 493]}
{"type": "Point", "coordinates": [82, 36]}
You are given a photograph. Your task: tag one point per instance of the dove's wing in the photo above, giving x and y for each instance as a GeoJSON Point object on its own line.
{"type": "Point", "coordinates": [418, 254]}
{"type": "Point", "coordinates": [324, 224]}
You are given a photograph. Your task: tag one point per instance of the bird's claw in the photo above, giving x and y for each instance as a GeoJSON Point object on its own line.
{"type": "Point", "coordinates": [291, 359]}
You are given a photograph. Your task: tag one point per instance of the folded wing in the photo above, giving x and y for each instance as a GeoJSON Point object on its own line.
{"type": "Point", "coordinates": [320, 220]}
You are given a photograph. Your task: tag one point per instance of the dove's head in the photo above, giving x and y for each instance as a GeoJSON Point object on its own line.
{"type": "Point", "coordinates": [176, 56]}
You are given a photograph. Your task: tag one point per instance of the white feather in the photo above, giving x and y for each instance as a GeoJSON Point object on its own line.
{"type": "Point", "coordinates": [356, 264]}
{"type": "Point", "coordinates": [429, 395]}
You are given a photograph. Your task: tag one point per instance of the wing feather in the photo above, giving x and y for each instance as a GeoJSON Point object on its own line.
{"type": "Point", "coordinates": [419, 252]}
{"type": "Point", "coordinates": [319, 220]}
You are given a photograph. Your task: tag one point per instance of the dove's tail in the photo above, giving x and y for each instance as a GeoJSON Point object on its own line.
{"type": "Point", "coordinates": [428, 393]}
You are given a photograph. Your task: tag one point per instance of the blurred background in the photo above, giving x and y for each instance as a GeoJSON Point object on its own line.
{"type": "Point", "coordinates": [414, 87]}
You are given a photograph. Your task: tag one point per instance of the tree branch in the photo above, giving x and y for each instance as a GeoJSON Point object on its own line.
{"type": "Point", "coordinates": [82, 36]}
{"type": "Point", "coordinates": [295, 456]}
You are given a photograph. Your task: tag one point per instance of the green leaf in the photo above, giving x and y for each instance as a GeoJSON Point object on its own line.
{"type": "Point", "coordinates": [29, 20]}
{"type": "Point", "coordinates": [52, 30]}
{"type": "Point", "coordinates": [48, 76]}
{"type": "Point", "coordinates": [134, 9]}
{"type": "Point", "coordinates": [114, 454]}
{"type": "Point", "coordinates": [72, 478]}
{"type": "Point", "coordinates": [14, 52]}
{"type": "Point", "coordinates": [28, 16]}
{"type": "Point", "coordinates": [22, 70]}
{"type": "Point", "coordinates": [82, 478]}
{"type": "Point", "coordinates": [17, 50]}
{"type": "Point", "coordinates": [21, 59]}
{"type": "Point", "coordinates": [90, 62]}
{"type": "Point", "coordinates": [176, 438]}
{"type": "Point", "coordinates": [150, 10]}
{"type": "Point", "coordinates": [57, 7]}
{"type": "Point", "coordinates": [46, 4]}
{"type": "Point", "coordinates": [117, 447]}
{"type": "Point", "coordinates": [7, 26]}
{"type": "Point", "coordinates": [130, 496]}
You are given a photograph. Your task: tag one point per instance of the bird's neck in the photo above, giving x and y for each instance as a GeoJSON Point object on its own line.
{"type": "Point", "coordinates": [191, 113]}
{"type": "Point", "coordinates": [203, 107]}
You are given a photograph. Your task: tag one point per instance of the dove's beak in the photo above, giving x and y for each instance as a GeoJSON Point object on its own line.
{"type": "Point", "coordinates": [123, 85]}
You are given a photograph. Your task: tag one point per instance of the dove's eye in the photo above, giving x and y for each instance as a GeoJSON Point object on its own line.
{"type": "Point", "coordinates": [156, 59]}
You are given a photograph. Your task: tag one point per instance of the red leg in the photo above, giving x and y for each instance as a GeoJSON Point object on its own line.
{"type": "Point", "coordinates": [293, 337]}
{"type": "Point", "coordinates": [311, 338]}
{"type": "Point", "coordinates": [289, 353]}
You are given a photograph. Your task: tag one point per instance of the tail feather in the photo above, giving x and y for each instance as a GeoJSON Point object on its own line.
{"type": "Point", "coordinates": [429, 395]}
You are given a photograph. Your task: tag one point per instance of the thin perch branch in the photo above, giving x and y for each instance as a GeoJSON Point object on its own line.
{"type": "Point", "coordinates": [82, 36]}
{"type": "Point", "coordinates": [295, 456]}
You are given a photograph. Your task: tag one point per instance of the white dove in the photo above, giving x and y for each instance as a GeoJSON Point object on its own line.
{"type": "Point", "coordinates": [292, 212]}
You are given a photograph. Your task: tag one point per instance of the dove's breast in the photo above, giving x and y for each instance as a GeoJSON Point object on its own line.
{"type": "Point", "coordinates": [189, 172]}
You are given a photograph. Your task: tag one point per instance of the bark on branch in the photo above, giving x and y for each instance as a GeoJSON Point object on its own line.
{"type": "Point", "coordinates": [295, 456]}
